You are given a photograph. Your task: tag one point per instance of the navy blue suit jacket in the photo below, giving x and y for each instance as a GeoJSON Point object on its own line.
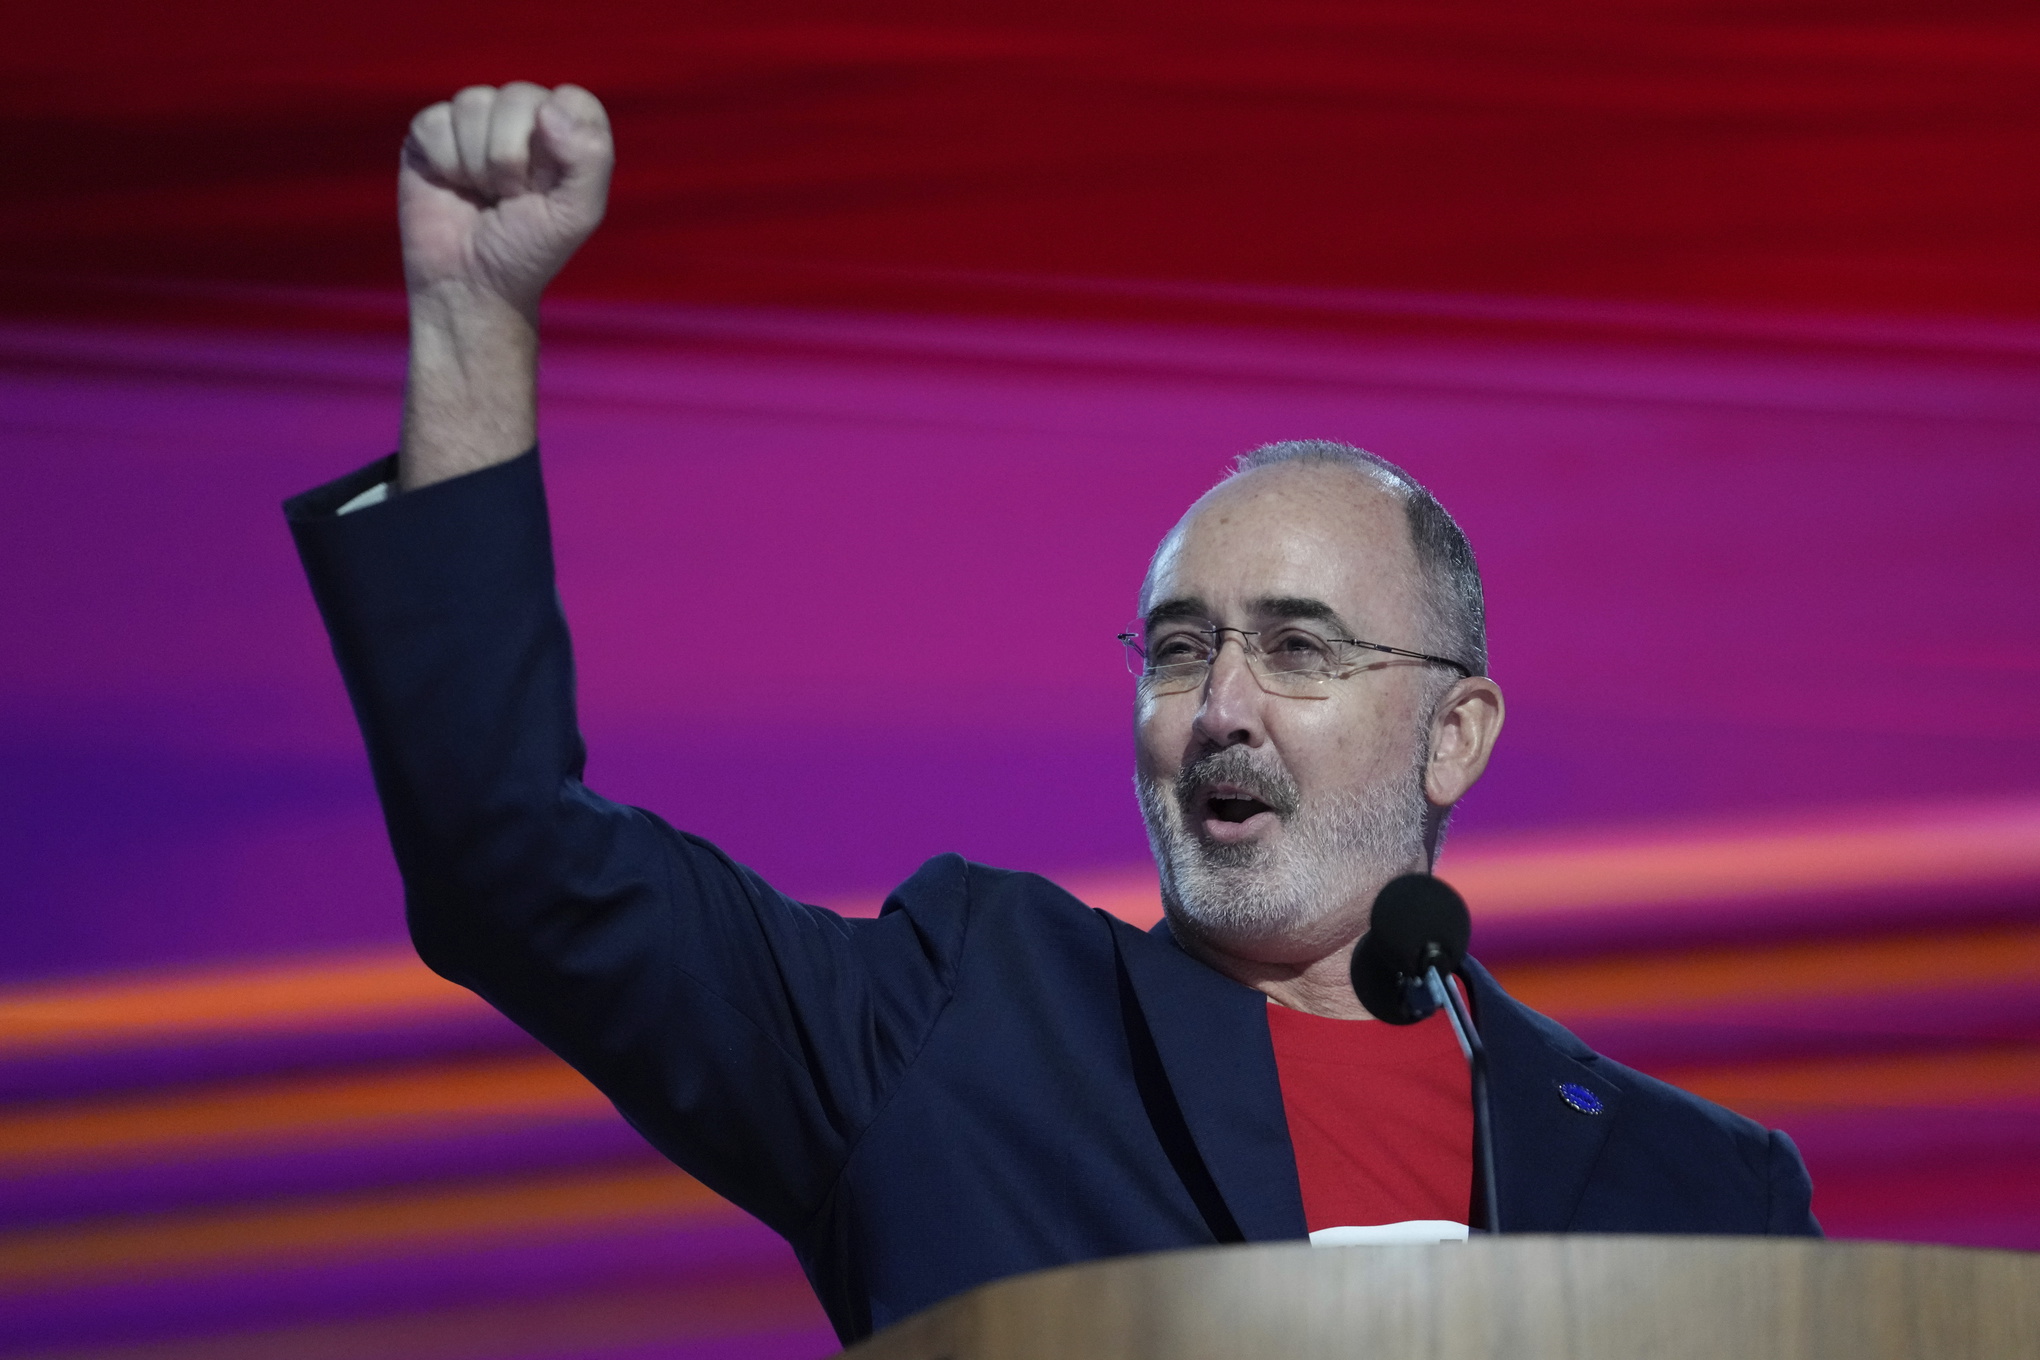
{"type": "Point", "coordinates": [987, 1078]}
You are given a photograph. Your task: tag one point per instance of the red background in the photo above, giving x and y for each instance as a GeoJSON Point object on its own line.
{"type": "Point", "coordinates": [1820, 156]}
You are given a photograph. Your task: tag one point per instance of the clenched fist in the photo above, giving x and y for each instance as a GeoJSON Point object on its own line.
{"type": "Point", "coordinates": [500, 186]}
{"type": "Point", "coordinates": [497, 189]}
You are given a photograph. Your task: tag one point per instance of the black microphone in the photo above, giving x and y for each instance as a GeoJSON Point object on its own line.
{"type": "Point", "coordinates": [1417, 938]}
{"type": "Point", "coordinates": [1419, 923]}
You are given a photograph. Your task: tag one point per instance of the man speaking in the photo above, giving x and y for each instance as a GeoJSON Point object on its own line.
{"type": "Point", "coordinates": [989, 1077]}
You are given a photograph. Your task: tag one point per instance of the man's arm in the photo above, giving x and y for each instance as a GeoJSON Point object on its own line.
{"type": "Point", "coordinates": [498, 187]}
{"type": "Point", "coordinates": [751, 1038]}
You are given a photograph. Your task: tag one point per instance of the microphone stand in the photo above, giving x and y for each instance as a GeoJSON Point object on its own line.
{"type": "Point", "coordinates": [1446, 998]}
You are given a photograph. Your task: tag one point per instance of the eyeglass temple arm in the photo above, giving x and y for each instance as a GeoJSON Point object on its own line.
{"type": "Point", "coordinates": [1459, 666]}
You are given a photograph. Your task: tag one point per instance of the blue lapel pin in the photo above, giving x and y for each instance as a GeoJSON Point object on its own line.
{"type": "Point", "coordinates": [1580, 1098]}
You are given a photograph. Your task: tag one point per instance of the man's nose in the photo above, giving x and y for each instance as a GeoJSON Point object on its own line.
{"type": "Point", "coordinates": [1231, 712]}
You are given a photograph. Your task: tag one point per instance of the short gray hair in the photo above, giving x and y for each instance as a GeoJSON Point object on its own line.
{"type": "Point", "coordinates": [1455, 613]}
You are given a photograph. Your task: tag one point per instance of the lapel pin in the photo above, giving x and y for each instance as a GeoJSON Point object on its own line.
{"type": "Point", "coordinates": [1580, 1098]}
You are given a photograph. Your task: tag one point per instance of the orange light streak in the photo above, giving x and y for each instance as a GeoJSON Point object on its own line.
{"type": "Point", "coordinates": [1938, 847]}
{"type": "Point", "coordinates": [303, 1232]}
{"type": "Point", "coordinates": [597, 1322]}
{"type": "Point", "coordinates": [299, 993]}
{"type": "Point", "coordinates": [1775, 1091]}
{"type": "Point", "coordinates": [299, 1112]}
{"type": "Point", "coordinates": [1818, 970]}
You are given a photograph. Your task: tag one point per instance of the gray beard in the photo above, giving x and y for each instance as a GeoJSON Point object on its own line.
{"type": "Point", "coordinates": [1335, 848]}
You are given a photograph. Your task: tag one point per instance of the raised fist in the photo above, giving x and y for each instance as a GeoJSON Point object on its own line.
{"type": "Point", "coordinates": [499, 187]}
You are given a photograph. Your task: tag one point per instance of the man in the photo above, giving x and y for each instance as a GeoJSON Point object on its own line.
{"type": "Point", "coordinates": [989, 1077]}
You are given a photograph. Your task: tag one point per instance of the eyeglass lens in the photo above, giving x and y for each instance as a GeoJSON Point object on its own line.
{"type": "Point", "coordinates": [1291, 659]}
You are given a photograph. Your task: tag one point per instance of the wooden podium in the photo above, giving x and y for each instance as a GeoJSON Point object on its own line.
{"type": "Point", "coordinates": [1508, 1298]}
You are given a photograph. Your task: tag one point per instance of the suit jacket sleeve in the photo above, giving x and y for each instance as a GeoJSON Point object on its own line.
{"type": "Point", "coordinates": [1791, 1190]}
{"type": "Point", "coordinates": [750, 1037]}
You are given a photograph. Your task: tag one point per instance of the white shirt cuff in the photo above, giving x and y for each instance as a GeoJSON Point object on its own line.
{"type": "Point", "coordinates": [375, 495]}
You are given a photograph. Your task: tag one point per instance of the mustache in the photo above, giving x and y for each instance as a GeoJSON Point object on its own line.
{"type": "Point", "coordinates": [1238, 766]}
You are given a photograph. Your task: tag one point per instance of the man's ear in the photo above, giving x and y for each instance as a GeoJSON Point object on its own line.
{"type": "Point", "coordinates": [1464, 727]}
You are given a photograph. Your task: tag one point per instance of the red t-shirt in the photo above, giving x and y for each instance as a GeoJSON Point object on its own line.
{"type": "Point", "coordinates": [1381, 1117]}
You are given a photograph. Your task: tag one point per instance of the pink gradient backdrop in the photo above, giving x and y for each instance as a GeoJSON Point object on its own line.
{"type": "Point", "coordinates": [1768, 579]}
{"type": "Point", "coordinates": [1718, 329]}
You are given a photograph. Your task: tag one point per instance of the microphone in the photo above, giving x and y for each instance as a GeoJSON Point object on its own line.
{"type": "Point", "coordinates": [1416, 938]}
{"type": "Point", "coordinates": [1419, 923]}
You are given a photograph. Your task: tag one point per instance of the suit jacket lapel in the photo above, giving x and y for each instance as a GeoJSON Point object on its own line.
{"type": "Point", "coordinates": [1211, 1035]}
{"type": "Point", "coordinates": [1545, 1148]}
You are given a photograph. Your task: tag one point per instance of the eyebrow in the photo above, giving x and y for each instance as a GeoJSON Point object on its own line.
{"type": "Point", "coordinates": [1298, 607]}
{"type": "Point", "coordinates": [1267, 607]}
{"type": "Point", "coordinates": [1182, 607]}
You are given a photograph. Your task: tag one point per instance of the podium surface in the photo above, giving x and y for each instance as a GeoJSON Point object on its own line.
{"type": "Point", "coordinates": [1579, 1297]}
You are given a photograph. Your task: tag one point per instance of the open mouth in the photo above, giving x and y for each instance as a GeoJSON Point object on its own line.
{"type": "Point", "coordinates": [1235, 809]}
{"type": "Point", "coordinates": [1227, 813]}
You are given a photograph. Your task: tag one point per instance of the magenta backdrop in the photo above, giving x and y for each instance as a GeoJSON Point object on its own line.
{"type": "Point", "coordinates": [1766, 575]}
{"type": "Point", "coordinates": [1737, 569]}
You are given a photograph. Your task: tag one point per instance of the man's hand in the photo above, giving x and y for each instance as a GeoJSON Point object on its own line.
{"type": "Point", "coordinates": [498, 188]}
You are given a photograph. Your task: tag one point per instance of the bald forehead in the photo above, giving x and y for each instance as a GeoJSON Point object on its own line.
{"type": "Point", "coordinates": [1293, 531]}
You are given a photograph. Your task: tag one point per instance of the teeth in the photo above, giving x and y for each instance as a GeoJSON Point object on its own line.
{"type": "Point", "coordinates": [1236, 810]}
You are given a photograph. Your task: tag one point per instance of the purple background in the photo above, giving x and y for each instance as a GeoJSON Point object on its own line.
{"type": "Point", "coordinates": [1738, 568]}
{"type": "Point", "coordinates": [1772, 576]}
